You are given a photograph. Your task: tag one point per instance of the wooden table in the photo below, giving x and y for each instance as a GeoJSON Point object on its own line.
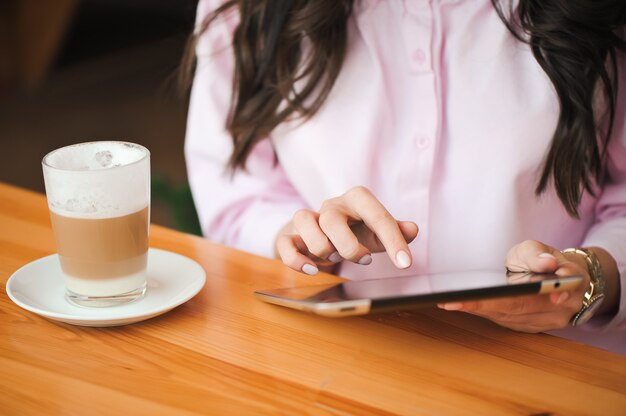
{"type": "Point", "coordinates": [224, 352]}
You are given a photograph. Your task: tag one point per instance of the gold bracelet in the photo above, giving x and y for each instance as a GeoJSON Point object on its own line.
{"type": "Point", "coordinates": [595, 293]}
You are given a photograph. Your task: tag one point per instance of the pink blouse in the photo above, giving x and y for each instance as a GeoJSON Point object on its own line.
{"type": "Point", "coordinates": [443, 115]}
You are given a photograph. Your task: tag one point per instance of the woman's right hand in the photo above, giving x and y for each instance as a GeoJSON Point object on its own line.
{"type": "Point", "coordinates": [349, 227]}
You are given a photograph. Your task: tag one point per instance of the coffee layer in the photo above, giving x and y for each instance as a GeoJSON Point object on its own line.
{"type": "Point", "coordinates": [102, 248]}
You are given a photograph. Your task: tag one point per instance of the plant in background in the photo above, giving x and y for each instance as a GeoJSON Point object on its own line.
{"type": "Point", "coordinates": [178, 202]}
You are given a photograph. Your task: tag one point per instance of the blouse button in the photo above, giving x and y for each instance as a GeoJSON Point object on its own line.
{"type": "Point", "coordinates": [419, 56]}
{"type": "Point", "coordinates": [423, 142]}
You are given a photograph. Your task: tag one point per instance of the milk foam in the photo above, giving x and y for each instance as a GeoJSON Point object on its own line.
{"type": "Point", "coordinates": [94, 156]}
{"type": "Point", "coordinates": [97, 179]}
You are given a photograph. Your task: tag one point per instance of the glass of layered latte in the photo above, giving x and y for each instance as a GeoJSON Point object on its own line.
{"type": "Point", "coordinates": [99, 199]}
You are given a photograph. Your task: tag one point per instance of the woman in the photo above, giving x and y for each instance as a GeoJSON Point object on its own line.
{"type": "Point", "coordinates": [325, 132]}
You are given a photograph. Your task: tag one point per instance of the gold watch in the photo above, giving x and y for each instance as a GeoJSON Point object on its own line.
{"type": "Point", "coordinates": [595, 293]}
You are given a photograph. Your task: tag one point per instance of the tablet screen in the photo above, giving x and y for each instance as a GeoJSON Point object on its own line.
{"type": "Point", "coordinates": [368, 296]}
{"type": "Point", "coordinates": [408, 286]}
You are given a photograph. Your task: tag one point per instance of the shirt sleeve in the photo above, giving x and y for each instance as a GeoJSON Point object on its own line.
{"type": "Point", "coordinates": [609, 230]}
{"type": "Point", "coordinates": [246, 209]}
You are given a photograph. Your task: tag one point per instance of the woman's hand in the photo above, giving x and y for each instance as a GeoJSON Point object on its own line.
{"type": "Point", "coordinates": [350, 227]}
{"type": "Point", "coordinates": [535, 313]}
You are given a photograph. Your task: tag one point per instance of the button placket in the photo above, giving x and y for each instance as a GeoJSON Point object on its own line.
{"type": "Point", "coordinates": [417, 32]}
{"type": "Point", "coordinates": [416, 177]}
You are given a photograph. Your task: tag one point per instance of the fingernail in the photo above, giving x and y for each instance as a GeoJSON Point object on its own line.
{"type": "Point", "coordinates": [335, 257]}
{"type": "Point", "coordinates": [453, 306]}
{"type": "Point", "coordinates": [402, 259]}
{"type": "Point", "coordinates": [562, 298]}
{"type": "Point", "coordinates": [310, 269]}
{"type": "Point", "coordinates": [365, 260]}
{"type": "Point", "coordinates": [547, 256]}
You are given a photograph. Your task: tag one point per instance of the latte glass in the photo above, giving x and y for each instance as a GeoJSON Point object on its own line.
{"type": "Point", "coordinates": [99, 200]}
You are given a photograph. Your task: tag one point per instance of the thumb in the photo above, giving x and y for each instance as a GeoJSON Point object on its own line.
{"type": "Point", "coordinates": [532, 256]}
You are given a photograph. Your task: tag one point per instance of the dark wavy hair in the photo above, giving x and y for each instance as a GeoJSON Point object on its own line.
{"type": "Point", "coordinates": [575, 42]}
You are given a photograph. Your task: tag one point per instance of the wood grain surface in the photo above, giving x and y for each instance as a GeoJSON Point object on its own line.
{"type": "Point", "coordinates": [226, 353]}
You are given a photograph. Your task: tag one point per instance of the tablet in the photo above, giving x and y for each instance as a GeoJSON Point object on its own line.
{"type": "Point", "coordinates": [363, 297]}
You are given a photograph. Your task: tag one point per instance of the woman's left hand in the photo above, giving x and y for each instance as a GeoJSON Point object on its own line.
{"type": "Point", "coordinates": [534, 313]}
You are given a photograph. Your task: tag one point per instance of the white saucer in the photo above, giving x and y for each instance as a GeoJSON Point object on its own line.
{"type": "Point", "coordinates": [172, 280]}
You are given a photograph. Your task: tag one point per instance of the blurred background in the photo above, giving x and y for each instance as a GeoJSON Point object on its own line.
{"type": "Point", "coordinates": [81, 70]}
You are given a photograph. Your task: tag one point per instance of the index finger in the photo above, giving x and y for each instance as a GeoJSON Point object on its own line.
{"type": "Point", "coordinates": [376, 217]}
